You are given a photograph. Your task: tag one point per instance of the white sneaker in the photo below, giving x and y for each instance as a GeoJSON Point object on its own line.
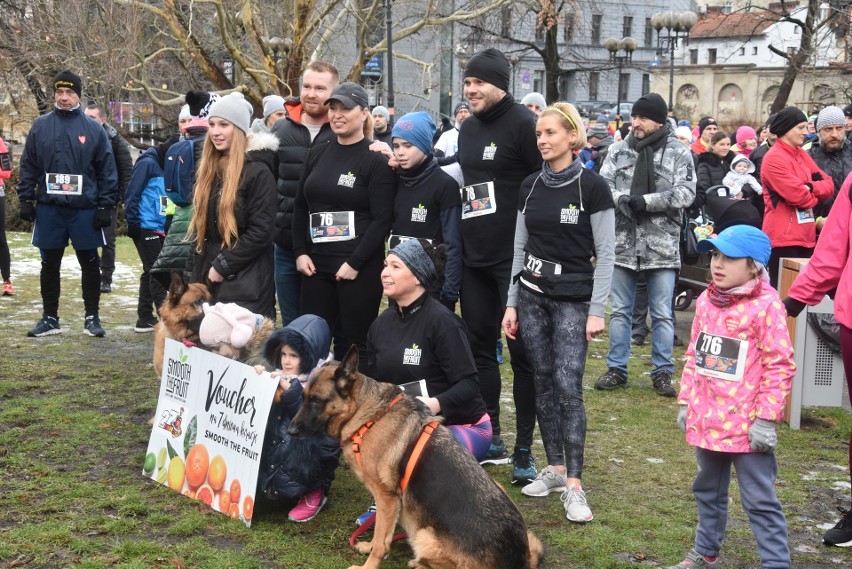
{"type": "Point", "coordinates": [545, 482]}
{"type": "Point", "coordinates": [576, 507]}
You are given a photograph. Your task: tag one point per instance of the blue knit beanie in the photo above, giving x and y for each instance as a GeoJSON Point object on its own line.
{"type": "Point", "coordinates": [416, 128]}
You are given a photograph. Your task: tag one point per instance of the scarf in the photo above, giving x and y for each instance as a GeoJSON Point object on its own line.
{"type": "Point", "coordinates": [643, 175]}
{"type": "Point", "coordinates": [563, 177]}
{"type": "Point", "coordinates": [725, 298]}
{"type": "Point", "coordinates": [414, 176]}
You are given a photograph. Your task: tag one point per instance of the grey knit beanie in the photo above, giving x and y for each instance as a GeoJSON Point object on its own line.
{"type": "Point", "coordinates": [272, 104]}
{"type": "Point", "coordinates": [235, 109]}
{"type": "Point", "coordinates": [830, 116]}
{"type": "Point", "coordinates": [534, 99]}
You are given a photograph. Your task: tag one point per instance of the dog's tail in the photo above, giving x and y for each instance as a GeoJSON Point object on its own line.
{"type": "Point", "coordinates": [536, 550]}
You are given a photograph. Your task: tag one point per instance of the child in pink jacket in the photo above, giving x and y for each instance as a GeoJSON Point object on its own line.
{"type": "Point", "coordinates": [738, 373]}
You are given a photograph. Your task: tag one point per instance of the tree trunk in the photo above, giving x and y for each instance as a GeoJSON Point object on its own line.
{"type": "Point", "coordinates": [552, 70]}
{"type": "Point", "coordinates": [797, 61]}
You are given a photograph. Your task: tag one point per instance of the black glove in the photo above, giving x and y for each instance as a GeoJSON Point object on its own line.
{"type": "Point", "coordinates": [810, 187]}
{"type": "Point", "coordinates": [817, 177]}
{"type": "Point", "coordinates": [103, 217]}
{"type": "Point", "coordinates": [450, 304]}
{"type": "Point", "coordinates": [793, 306]}
{"type": "Point", "coordinates": [637, 203]}
{"type": "Point", "coordinates": [134, 231]}
{"type": "Point", "coordinates": [26, 211]}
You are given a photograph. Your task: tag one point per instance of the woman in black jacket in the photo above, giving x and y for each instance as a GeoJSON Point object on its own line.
{"type": "Point", "coordinates": [712, 167]}
{"type": "Point", "coordinates": [234, 210]}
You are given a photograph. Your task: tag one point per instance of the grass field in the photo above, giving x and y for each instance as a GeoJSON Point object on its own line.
{"type": "Point", "coordinates": [74, 428]}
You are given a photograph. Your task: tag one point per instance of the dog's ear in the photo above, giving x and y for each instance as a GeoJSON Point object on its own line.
{"type": "Point", "coordinates": [177, 287]}
{"type": "Point", "coordinates": [346, 372]}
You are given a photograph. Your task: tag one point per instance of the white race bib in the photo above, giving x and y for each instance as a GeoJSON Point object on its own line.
{"type": "Point", "coordinates": [720, 357]}
{"type": "Point", "coordinates": [478, 199]}
{"type": "Point", "coordinates": [64, 184]}
{"type": "Point", "coordinates": [805, 215]}
{"type": "Point", "coordinates": [331, 226]}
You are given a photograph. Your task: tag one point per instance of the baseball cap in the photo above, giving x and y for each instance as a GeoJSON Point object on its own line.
{"type": "Point", "coordinates": [740, 241]}
{"type": "Point", "coordinates": [350, 94]}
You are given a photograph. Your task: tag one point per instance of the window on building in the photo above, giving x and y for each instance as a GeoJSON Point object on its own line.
{"type": "Point", "coordinates": [506, 21]}
{"type": "Point", "coordinates": [596, 28]}
{"type": "Point", "coordinates": [754, 50]}
{"type": "Point", "coordinates": [711, 56]}
{"type": "Point", "coordinates": [594, 81]}
{"type": "Point", "coordinates": [538, 81]}
{"type": "Point", "coordinates": [539, 33]}
{"type": "Point", "coordinates": [796, 30]}
{"type": "Point", "coordinates": [623, 87]}
{"type": "Point", "coordinates": [727, 7]}
{"type": "Point", "coordinates": [649, 33]}
{"type": "Point", "coordinates": [627, 27]}
{"type": "Point", "coordinates": [693, 56]}
{"type": "Point", "coordinates": [646, 84]}
{"type": "Point", "coordinates": [742, 51]}
{"type": "Point", "coordinates": [568, 28]}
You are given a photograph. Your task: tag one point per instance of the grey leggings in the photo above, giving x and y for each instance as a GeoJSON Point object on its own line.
{"type": "Point", "coordinates": [555, 335]}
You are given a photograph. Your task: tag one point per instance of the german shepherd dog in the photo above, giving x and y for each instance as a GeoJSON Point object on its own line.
{"type": "Point", "coordinates": [180, 316]}
{"type": "Point", "coordinates": [456, 516]}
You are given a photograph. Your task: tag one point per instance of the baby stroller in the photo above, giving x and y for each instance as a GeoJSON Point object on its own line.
{"type": "Point", "coordinates": [720, 211]}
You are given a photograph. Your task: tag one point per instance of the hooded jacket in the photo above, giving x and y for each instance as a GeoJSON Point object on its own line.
{"type": "Point", "coordinates": [651, 239]}
{"type": "Point", "coordinates": [142, 203]}
{"type": "Point", "coordinates": [123, 161]}
{"type": "Point", "coordinates": [720, 412]}
{"type": "Point", "coordinates": [291, 467]}
{"type": "Point", "coordinates": [68, 142]}
{"type": "Point", "coordinates": [294, 142]}
{"type": "Point", "coordinates": [792, 184]}
{"type": "Point", "coordinates": [247, 265]}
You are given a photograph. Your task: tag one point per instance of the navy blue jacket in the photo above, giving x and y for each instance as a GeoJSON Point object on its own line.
{"type": "Point", "coordinates": [68, 142]}
{"type": "Point", "coordinates": [142, 205]}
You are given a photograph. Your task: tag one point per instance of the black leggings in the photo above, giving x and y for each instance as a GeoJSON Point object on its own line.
{"type": "Point", "coordinates": [151, 292]}
{"type": "Point", "coordinates": [5, 258]}
{"type": "Point", "coordinates": [354, 305]}
{"type": "Point", "coordinates": [90, 269]}
{"type": "Point", "coordinates": [483, 301]}
{"type": "Point", "coordinates": [555, 333]}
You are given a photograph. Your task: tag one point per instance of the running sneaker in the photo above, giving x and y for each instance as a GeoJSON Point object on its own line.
{"type": "Point", "coordinates": [309, 506]}
{"type": "Point", "coordinates": [576, 507]}
{"type": "Point", "coordinates": [145, 326]}
{"type": "Point", "coordinates": [496, 453]}
{"type": "Point", "coordinates": [523, 466]}
{"type": "Point", "coordinates": [662, 381]}
{"type": "Point", "coordinates": [841, 534]}
{"type": "Point", "coordinates": [8, 289]}
{"type": "Point", "coordinates": [46, 326]}
{"type": "Point", "coordinates": [695, 560]}
{"type": "Point", "coordinates": [546, 482]}
{"type": "Point", "coordinates": [92, 327]}
{"type": "Point", "coordinates": [612, 379]}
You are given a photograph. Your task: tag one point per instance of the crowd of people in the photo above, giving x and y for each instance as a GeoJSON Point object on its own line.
{"type": "Point", "coordinates": [521, 213]}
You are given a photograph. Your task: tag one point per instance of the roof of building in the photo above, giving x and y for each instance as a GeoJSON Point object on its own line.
{"type": "Point", "coordinates": [734, 25]}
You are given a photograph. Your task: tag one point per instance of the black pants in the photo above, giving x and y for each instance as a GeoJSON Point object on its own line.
{"type": "Point", "coordinates": [108, 250]}
{"type": "Point", "coordinates": [151, 292]}
{"type": "Point", "coordinates": [51, 262]}
{"type": "Point", "coordinates": [778, 253]}
{"type": "Point", "coordinates": [349, 307]}
{"type": "Point", "coordinates": [483, 301]}
{"type": "Point", "coordinates": [5, 259]}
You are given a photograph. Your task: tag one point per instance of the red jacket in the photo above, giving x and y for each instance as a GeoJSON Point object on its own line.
{"type": "Point", "coordinates": [784, 173]}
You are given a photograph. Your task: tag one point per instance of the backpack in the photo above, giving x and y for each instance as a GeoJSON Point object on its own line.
{"type": "Point", "coordinates": [179, 171]}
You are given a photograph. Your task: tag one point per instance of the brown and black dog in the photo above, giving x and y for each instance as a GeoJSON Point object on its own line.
{"type": "Point", "coordinates": [456, 516]}
{"type": "Point", "coordinates": [180, 316]}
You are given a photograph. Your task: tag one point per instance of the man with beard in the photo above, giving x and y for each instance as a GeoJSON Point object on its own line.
{"type": "Point", "coordinates": [305, 126]}
{"type": "Point", "coordinates": [652, 180]}
{"type": "Point", "coordinates": [833, 154]}
{"type": "Point", "coordinates": [497, 151]}
{"type": "Point", "coordinates": [381, 128]}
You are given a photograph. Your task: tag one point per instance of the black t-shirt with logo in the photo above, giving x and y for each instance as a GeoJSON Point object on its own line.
{"type": "Point", "coordinates": [417, 207]}
{"type": "Point", "coordinates": [560, 229]}
{"type": "Point", "coordinates": [427, 341]}
{"type": "Point", "coordinates": [341, 178]}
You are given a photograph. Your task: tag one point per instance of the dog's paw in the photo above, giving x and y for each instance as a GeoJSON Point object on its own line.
{"type": "Point", "coordinates": [364, 547]}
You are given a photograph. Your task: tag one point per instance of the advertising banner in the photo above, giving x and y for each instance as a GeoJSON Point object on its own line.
{"type": "Point", "coordinates": [208, 429]}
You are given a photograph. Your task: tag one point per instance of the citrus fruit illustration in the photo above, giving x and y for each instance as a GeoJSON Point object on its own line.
{"type": "Point", "coordinates": [197, 464]}
{"type": "Point", "coordinates": [224, 501]}
{"type": "Point", "coordinates": [205, 494]}
{"type": "Point", "coordinates": [176, 473]}
{"type": "Point", "coordinates": [248, 507]}
{"type": "Point", "coordinates": [236, 491]}
{"type": "Point", "coordinates": [217, 473]}
{"type": "Point", "coordinates": [150, 462]}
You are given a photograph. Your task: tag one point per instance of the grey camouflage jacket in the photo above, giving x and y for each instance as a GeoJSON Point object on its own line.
{"type": "Point", "coordinates": [651, 239]}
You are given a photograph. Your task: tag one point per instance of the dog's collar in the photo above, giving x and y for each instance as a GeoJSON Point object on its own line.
{"type": "Point", "coordinates": [425, 434]}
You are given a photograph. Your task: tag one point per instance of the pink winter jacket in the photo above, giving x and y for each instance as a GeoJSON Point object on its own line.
{"type": "Point", "coordinates": [830, 267]}
{"type": "Point", "coordinates": [719, 411]}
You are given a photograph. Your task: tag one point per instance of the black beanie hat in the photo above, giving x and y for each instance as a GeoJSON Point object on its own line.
{"type": "Point", "coordinates": [199, 102]}
{"type": "Point", "coordinates": [651, 106]}
{"type": "Point", "coordinates": [704, 123]}
{"type": "Point", "coordinates": [786, 119]}
{"type": "Point", "coordinates": [490, 66]}
{"type": "Point", "coordinates": [68, 80]}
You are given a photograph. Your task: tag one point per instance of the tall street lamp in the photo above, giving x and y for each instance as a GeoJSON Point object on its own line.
{"type": "Point", "coordinates": [628, 45]}
{"type": "Point", "coordinates": [677, 26]}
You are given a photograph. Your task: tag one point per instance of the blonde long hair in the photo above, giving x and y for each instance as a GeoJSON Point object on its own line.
{"type": "Point", "coordinates": [229, 169]}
